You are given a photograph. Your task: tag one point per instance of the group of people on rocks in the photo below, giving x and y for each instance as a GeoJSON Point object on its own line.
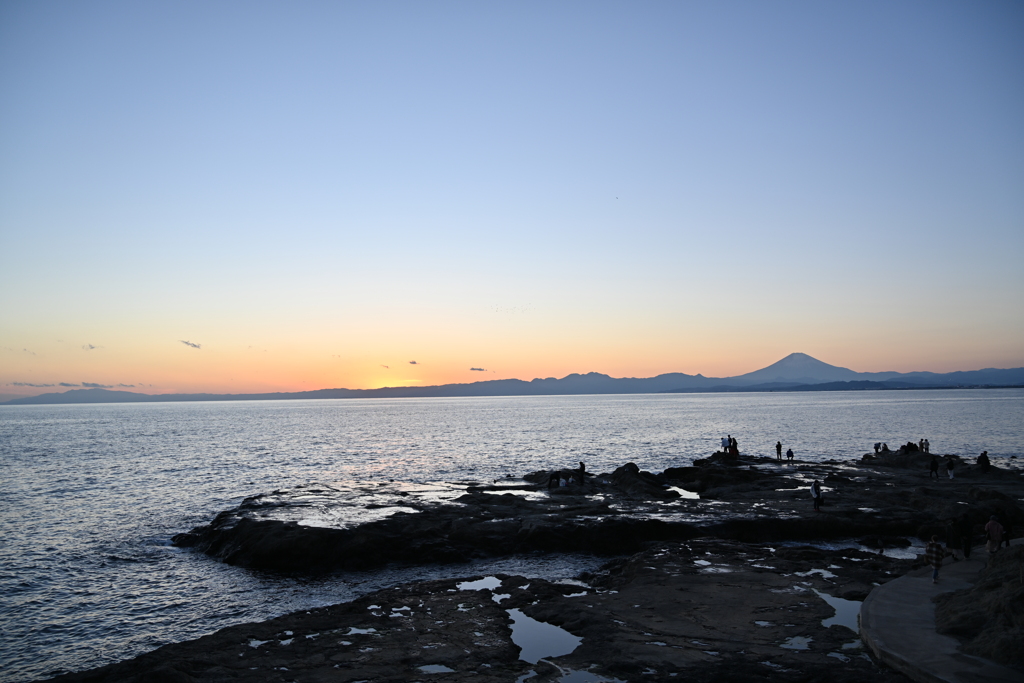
{"type": "Point", "coordinates": [778, 452]}
{"type": "Point", "coordinates": [922, 446]}
{"type": "Point", "coordinates": [567, 477]}
{"type": "Point", "coordinates": [933, 466]}
{"type": "Point", "coordinates": [960, 539]}
{"type": "Point", "coordinates": [730, 446]}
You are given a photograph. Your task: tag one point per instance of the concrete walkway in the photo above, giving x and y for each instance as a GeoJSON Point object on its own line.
{"type": "Point", "coordinates": [897, 621]}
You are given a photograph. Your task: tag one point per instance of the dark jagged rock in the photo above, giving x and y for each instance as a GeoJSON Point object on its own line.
{"type": "Point", "coordinates": [988, 618]}
{"type": "Point", "coordinates": [632, 481]}
{"type": "Point", "coordinates": [481, 525]}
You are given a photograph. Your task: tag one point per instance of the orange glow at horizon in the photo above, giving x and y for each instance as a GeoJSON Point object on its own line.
{"type": "Point", "coordinates": [156, 361]}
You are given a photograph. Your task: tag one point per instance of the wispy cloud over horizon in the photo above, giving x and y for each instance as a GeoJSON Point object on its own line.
{"type": "Point", "coordinates": [478, 369]}
{"type": "Point", "coordinates": [191, 344]}
{"type": "Point", "coordinates": [412, 362]}
{"type": "Point", "coordinates": [87, 385]}
{"type": "Point", "coordinates": [88, 347]}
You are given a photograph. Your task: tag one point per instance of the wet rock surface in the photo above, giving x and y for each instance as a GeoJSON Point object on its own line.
{"type": "Point", "coordinates": [711, 582]}
{"type": "Point", "coordinates": [704, 610]}
{"type": "Point", "coordinates": [746, 499]}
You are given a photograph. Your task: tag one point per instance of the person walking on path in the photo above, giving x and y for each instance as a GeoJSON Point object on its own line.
{"type": "Point", "coordinates": [778, 451]}
{"type": "Point", "coordinates": [994, 533]}
{"type": "Point", "coordinates": [949, 467]}
{"type": "Point", "coordinates": [934, 468]}
{"type": "Point", "coordinates": [934, 554]}
{"type": "Point", "coordinates": [816, 495]}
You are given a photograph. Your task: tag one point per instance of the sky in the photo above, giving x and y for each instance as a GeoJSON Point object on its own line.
{"type": "Point", "coordinates": [265, 196]}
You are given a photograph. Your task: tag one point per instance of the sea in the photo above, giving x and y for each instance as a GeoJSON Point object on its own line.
{"type": "Point", "coordinates": [90, 495]}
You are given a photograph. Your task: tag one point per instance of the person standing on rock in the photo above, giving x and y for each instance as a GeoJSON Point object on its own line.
{"type": "Point", "coordinates": [778, 451]}
{"type": "Point", "coordinates": [934, 554]}
{"type": "Point", "coordinates": [878, 447]}
{"type": "Point", "coordinates": [994, 532]}
{"type": "Point", "coordinates": [934, 468]}
{"type": "Point", "coordinates": [983, 462]}
{"type": "Point", "coordinates": [726, 442]}
{"type": "Point", "coordinates": [953, 540]}
{"type": "Point", "coordinates": [966, 534]}
{"type": "Point", "coordinates": [816, 495]}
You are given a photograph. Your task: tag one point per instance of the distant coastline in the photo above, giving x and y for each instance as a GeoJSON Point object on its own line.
{"type": "Point", "coordinates": [796, 372]}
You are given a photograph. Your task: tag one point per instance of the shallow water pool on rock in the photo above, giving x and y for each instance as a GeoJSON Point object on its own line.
{"type": "Point", "coordinates": [538, 640]}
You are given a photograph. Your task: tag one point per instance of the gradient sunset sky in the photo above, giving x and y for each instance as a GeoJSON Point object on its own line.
{"type": "Point", "coordinates": [317, 194]}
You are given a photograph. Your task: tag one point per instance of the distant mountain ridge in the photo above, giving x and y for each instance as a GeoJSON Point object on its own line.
{"type": "Point", "coordinates": [795, 372]}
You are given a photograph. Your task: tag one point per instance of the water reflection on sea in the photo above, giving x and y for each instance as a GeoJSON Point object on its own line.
{"type": "Point", "coordinates": [91, 494]}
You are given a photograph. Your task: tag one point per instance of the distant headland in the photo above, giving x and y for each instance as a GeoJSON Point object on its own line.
{"type": "Point", "coordinates": [795, 372]}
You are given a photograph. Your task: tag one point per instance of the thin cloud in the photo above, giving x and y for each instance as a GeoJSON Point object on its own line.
{"type": "Point", "coordinates": [93, 385]}
{"type": "Point", "coordinates": [412, 362]}
{"type": "Point", "coordinates": [191, 344]}
{"type": "Point", "coordinates": [68, 384]}
{"type": "Point", "coordinates": [29, 352]}
{"type": "Point", "coordinates": [88, 347]}
{"type": "Point", "coordinates": [386, 367]}
{"type": "Point", "coordinates": [29, 384]}
{"type": "Point", "coordinates": [128, 386]}
{"type": "Point", "coordinates": [478, 369]}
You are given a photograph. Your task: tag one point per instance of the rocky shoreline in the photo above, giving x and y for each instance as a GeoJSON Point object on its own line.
{"type": "Point", "coordinates": [880, 498]}
{"type": "Point", "coordinates": [711, 578]}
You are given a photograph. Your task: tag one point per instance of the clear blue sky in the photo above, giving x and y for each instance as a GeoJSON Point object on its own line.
{"type": "Point", "coordinates": [532, 187]}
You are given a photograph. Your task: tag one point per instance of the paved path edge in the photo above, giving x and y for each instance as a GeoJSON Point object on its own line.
{"type": "Point", "coordinates": [876, 617]}
{"type": "Point", "coordinates": [884, 654]}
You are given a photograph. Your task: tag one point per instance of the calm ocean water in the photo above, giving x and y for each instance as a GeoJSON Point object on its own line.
{"type": "Point", "coordinates": [90, 495]}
